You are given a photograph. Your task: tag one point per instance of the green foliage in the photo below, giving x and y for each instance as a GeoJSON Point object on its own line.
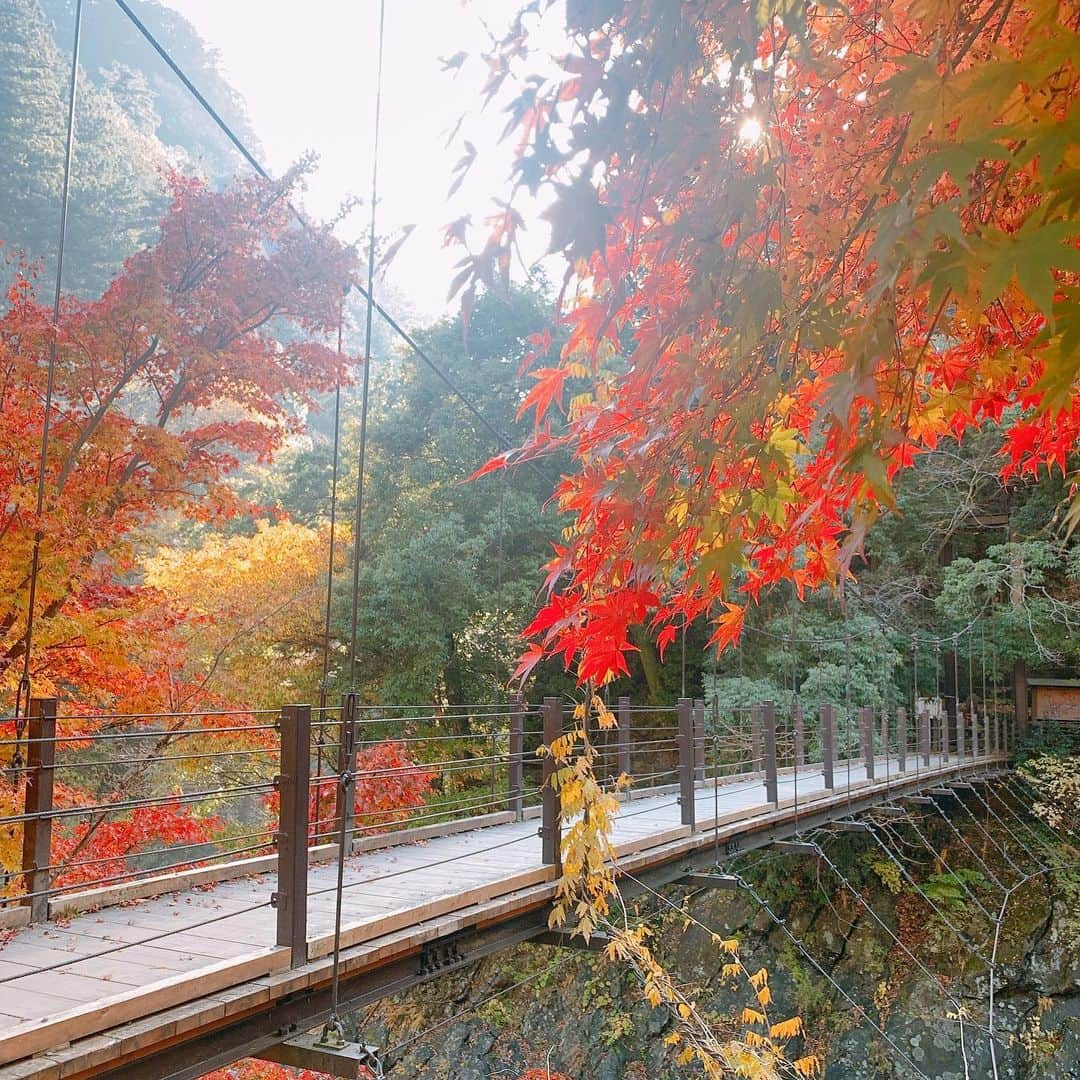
{"type": "Point", "coordinates": [1026, 591]}
{"type": "Point", "coordinates": [947, 889]}
{"type": "Point", "coordinates": [448, 568]}
{"type": "Point", "coordinates": [133, 119]}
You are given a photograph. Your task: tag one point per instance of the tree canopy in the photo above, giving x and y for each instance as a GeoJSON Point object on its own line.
{"type": "Point", "coordinates": [805, 244]}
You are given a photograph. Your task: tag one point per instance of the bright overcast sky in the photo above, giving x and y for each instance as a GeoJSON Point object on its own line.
{"type": "Point", "coordinates": [307, 73]}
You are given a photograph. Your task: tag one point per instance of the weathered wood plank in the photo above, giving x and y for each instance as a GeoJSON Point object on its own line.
{"type": "Point", "coordinates": [58, 1027]}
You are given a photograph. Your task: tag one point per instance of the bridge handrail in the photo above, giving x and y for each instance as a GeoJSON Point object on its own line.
{"type": "Point", "coordinates": [490, 768]}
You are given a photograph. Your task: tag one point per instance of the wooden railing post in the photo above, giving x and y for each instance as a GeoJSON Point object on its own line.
{"type": "Point", "coordinates": [769, 724]}
{"type": "Point", "coordinates": [828, 745]}
{"type": "Point", "coordinates": [800, 737]}
{"type": "Point", "coordinates": [866, 733]}
{"type": "Point", "coordinates": [755, 738]}
{"type": "Point", "coordinates": [294, 783]}
{"type": "Point", "coordinates": [699, 741]}
{"type": "Point", "coordinates": [685, 742]}
{"type": "Point", "coordinates": [37, 830]}
{"type": "Point", "coordinates": [924, 737]}
{"type": "Point", "coordinates": [943, 735]}
{"type": "Point", "coordinates": [885, 736]}
{"type": "Point", "coordinates": [550, 821]}
{"type": "Point", "coordinates": [901, 738]}
{"type": "Point", "coordinates": [959, 731]}
{"type": "Point", "coordinates": [624, 736]}
{"type": "Point", "coordinates": [516, 769]}
{"type": "Point", "coordinates": [974, 730]}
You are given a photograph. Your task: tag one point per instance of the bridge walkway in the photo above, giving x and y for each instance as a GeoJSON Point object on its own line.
{"type": "Point", "coordinates": [80, 994]}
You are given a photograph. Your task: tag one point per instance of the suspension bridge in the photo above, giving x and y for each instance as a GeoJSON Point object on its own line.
{"type": "Point", "coordinates": [176, 969]}
{"type": "Point", "coordinates": [190, 956]}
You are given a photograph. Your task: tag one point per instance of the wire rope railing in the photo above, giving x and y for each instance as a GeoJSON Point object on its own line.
{"type": "Point", "coordinates": [164, 796]}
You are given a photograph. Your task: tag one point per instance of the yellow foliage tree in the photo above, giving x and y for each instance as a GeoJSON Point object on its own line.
{"type": "Point", "coordinates": [253, 625]}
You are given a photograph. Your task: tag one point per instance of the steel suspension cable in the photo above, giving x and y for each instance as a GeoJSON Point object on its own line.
{"type": "Point", "coordinates": [333, 1033]}
{"type": "Point", "coordinates": [899, 862]}
{"type": "Point", "coordinates": [897, 940]}
{"type": "Point", "coordinates": [25, 689]}
{"type": "Point", "coordinates": [1002, 849]}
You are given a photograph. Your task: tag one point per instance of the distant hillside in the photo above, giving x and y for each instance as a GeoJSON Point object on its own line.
{"type": "Point", "coordinates": [133, 119]}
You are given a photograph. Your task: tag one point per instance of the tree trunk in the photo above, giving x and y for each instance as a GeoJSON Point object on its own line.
{"type": "Point", "coordinates": [650, 665]}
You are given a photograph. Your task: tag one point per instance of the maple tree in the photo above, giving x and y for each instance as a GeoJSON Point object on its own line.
{"type": "Point", "coordinates": [199, 355]}
{"type": "Point", "coordinates": [804, 243]}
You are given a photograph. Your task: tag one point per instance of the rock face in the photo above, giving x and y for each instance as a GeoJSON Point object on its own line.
{"type": "Point", "coordinates": [891, 979]}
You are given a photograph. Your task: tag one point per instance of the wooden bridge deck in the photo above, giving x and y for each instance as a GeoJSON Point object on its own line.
{"type": "Point", "coordinates": [85, 993]}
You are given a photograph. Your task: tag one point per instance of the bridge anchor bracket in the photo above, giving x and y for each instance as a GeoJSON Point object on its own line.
{"type": "Point", "coordinates": [796, 847]}
{"type": "Point", "coordinates": [350, 1060]}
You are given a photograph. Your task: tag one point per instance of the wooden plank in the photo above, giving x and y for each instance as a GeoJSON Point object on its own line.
{"type": "Point", "coordinates": [396, 920]}
{"type": "Point", "coordinates": [67, 984]}
{"type": "Point", "coordinates": [35, 1036]}
{"type": "Point", "coordinates": [136, 927]}
{"type": "Point", "coordinates": [84, 1054]}
{"type": "Point", "coordinates": [381, 841]}
{"type": "Point", "coordinates": [174, 882]}
{"type": "Point", "coordinates": [31, 1004]}
{"type": "Point", "coordinates": [33, 1069]}
{"type": "Point", "coordinates": [170, 1023]}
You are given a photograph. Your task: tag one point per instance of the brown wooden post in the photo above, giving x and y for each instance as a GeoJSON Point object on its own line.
{"type": "Point", "coordinates": [37, 830]}
{"type": "Point", "coordinates": [800, 737]}
{"type": "Point", "coordinates": [959, 732]}
{"type": "Point", "coordinates": [866, 731]}
{"type": "Point", "coordinates": [516, 768]}
{"type": "Point", "coordinates": [924, 737]}
{"type": "Point", "coordinates": [771, 784]}
{"type": "Point", "coordinates": [974, 730]}
{"type": "Point", "coordinates": [828, 745]}
{"type": "Point", "coordinates": [550, 821]}
{"type": "Point", "coordinates": [755, 738]}
{"type": "Point", "coordinates": [943, 732]}
{"type": "Point", "coordinates": [686, 761]}
{"type": "Point", "coordinates": [901, 738]}
{"type": "Point", "coordinates": [699, 741]}
{"type": "Point", "coordinates": [294, 784]}
{"type": "Point", "coordinates": [624, 736]}
{"type": "Point", "coordinates": [885, 735]}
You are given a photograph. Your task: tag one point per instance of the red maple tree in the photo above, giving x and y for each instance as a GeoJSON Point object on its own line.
{"type": "Point", "coordinates": [803, 243]}
{"type": "Point", "coordinates": [202, 353]}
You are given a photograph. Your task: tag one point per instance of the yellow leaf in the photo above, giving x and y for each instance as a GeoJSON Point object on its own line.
{"type": "Point", "coordinates": [809, 1066]}
{"type": "Point", "coordinates": [786, 1029]}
